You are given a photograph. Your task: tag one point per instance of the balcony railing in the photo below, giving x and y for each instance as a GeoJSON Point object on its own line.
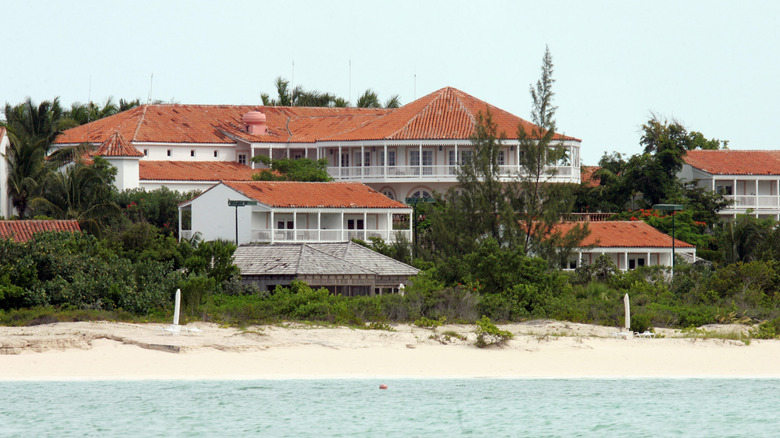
{"type": "Point", "coordinates": [754, 201]}
{"type": "Point", "coordinates": [447, 173]}
{"type": "Point", "coordinates": [331, 235]}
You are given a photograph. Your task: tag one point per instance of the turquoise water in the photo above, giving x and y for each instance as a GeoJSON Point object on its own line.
{"type": "Point", "coordinates": [409, 407]}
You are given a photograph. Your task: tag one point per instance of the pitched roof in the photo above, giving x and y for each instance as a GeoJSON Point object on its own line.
{"type": "Point", "coordinates": [729, 162]}
{"type": "Point", "coordinates": [117, 146]}
{"type": "Point", "coordinates": [194, 171]}
{"type": "Point", "coordinates": [345, 258]}
{"type": "Point", "coordinates": [444, 114]}
{"type": "Point", "coordinates": [624, 234]}
{"type": "Point", "coordinates": [23, 230]}
{"type": "Point", "coordinates": [313, 194]}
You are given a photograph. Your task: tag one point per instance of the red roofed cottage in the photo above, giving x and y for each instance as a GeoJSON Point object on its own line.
{"type": "Point", "coordinates": [749, 179]}
{"type": "Point", "coordinates": [276, 211]}
{"type": "Point", "coordinates": [629, 244]}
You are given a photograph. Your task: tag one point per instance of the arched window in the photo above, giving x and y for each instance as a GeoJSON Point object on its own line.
{"type": "Point", "coordinates": [421, 193]}
{"type": "Point", "coordinates": [389, 193]}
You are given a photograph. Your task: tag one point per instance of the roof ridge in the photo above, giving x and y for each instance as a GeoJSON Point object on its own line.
{"type": "Point", "coordinates": [465, 109]}
{"type": "Point", "coordinates": [419, 113]}
{"type": "Point", "coordinates": [140, 122]}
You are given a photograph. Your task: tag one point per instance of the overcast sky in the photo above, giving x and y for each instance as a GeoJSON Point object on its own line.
{"type": "Point", "coordinates": [711, 65]}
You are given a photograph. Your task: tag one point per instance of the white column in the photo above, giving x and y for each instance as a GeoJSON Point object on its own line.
{"type": "Point", "coordinates": [319, 225]}
{"type": "Point", "coordinates": [339, 161]}
{"type": "Point", "coordinates": [389, 226]}
{"type": "Point", "coordinates": [579, 258]}
{"type": "Point", "coordinates": [180, 215]}
{"type": "Point", "coordinates": [295, 225]}
{"type": "Point", "coordinates": [362, 159]}
{"type": "Point", "coordinates": [419, 162]}
{"type": "Point", "coordinates": [273, 224]}
{"type": "Point", "coordinates": [625, 261]}
{"type": "Point", "coordinates": [365, 224]}
{"type": "Point", "coordinates": [342, 225]}
{"type": "Point", "coordinates": [384, 147]}
{"type": "Point", "coordinates": [648, 258]}
{"type": "Point", "coordinates": [456, 155]}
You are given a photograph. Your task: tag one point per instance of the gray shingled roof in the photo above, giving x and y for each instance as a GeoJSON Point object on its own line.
{"type": "Point", "coordinates": [344, 258]}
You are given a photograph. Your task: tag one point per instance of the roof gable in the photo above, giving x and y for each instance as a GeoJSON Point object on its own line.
{"type": "Point", "coordinates": [624, 234]}
{"type": "Point", "coordinates": [730, 162]}
{"type": "Point", "coordinates": [117, 146]}
{"type": "Point", "coordinates": [23, 230]}
{"type": "Point", "coordinates": [313, 194]}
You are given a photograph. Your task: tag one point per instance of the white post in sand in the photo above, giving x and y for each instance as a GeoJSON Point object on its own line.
{"type": "Point", "coordinates": [628, 313]}
{"type": "Point", "coordinates": [177, 307]}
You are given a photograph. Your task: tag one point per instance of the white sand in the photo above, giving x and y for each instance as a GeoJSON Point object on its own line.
{"type": "Point", "coordinates": [102, 350]}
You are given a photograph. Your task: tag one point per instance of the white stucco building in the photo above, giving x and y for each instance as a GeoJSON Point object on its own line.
{"type": "Point", "coordinates": [404, 152]}
{"type": "Point", "coordinates": [749, 179]}
{"type": "Point", "coordinates": [294, 212]}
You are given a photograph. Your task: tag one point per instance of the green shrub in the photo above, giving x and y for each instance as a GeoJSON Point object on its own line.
{"type": "Point", "coordinates": [488, 334]}
{"type": "Point", "coordinates": [429, 323]}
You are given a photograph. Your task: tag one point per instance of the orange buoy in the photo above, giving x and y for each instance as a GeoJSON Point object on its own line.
{"type": "Point", "coordinates": [383, 386]}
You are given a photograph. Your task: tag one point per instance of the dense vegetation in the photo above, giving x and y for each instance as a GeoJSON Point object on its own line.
{"type": "Point", "coordinates": [487, 251]}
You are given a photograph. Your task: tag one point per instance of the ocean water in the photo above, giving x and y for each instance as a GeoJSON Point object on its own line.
{"type": "Point", "coordinates": [408, 408]}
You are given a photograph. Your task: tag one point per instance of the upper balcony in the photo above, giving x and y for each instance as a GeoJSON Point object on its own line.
{"type": "Point", "coordinates": [438, 173]}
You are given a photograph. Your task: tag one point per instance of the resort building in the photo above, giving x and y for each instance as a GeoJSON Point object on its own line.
{"type": "Point", "coordinates": [406, 152]}
{"type": "Point", "coordinates": [274, 212]}
{"type": "Point", "coordinates": [749, 179]}
{"type": "Point", "coordinates": [629, 244]}
{"type": "Point", "coordinates": [344, 268]}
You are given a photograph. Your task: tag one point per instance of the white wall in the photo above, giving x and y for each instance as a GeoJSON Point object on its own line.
{"type": "Point", "coordinates": [214, 219]}
{"type": "Point", "coordinates": [183, 152]}
{"type": "Point", "coordinates": [126, 172]}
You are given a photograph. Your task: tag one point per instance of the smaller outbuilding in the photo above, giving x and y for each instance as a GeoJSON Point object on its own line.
{"type": "Point", "coordinates": [282, 211]}
{"type": "Point", "coordinates": [629, 244]}
{"type": "Point", "coordinates": [344, 268]}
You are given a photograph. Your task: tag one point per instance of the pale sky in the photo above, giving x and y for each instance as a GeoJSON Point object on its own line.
{"type": "Point", "coordinates": [711, 65]}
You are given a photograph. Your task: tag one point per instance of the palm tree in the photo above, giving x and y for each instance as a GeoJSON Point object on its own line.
{"type": "Point", "coordinates": [31, 130]}
{"type": "Point", "coordinates": [369, 99]}
{"type": "Point", "coordinates": [81, 192]}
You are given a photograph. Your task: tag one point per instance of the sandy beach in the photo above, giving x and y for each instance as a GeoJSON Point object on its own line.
{"type": "Point", "coordinates": [544, 349]}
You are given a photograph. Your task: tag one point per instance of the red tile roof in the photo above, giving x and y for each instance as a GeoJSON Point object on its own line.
{"type": "Point", "coordinates": [729, 162]}
{"type": "Point", "coordinates": [314, 194]}
{"type": "Point", "coordinates": [194, 171]}
{"type": "Point", "coordinates": [624, 234]}
{"type": "Point", "coordinates": [117, 146]}
{"type": "Point", "coordinates": [587, 177]}
{"type": "Point", "coordinates": [445, 114]}
{"type": "Point", "coordinates": [23, 230]}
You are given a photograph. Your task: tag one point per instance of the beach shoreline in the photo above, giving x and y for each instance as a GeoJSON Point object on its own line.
{"type": "Point", "coordinates": [539, 349]}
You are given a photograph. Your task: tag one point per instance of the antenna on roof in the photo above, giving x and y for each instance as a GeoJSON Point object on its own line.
{"type": "Point", "coordinates": [151, 82]}
{"type": "Point", "coordinates": [415, 86]}
{"type": "Point", "coordinates": [292, 84]}
{"type": "Point", "coordinates": [349, 97]}
{"type": "Point", "coordinates": [89, 101]}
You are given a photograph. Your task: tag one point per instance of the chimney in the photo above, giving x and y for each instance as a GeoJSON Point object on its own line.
{"type": "Point", "coordinates": [254, 122]}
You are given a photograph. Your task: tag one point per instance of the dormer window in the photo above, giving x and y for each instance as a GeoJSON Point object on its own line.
{"type": "Point", "coordinates": [241, 159]}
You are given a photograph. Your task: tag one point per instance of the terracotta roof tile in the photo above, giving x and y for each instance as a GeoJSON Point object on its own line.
{"type": "Point", "coordinates": [194, 171]}
{"type": "Point", "coordinates": [314, 194]}
{"type": "Point", "coordinates": [729, 162]}
{"type": "Point", "coordinates": [587, 177]}
{"type": "Point", "coordinates": [445, 114]}
{"type": "Point", "coordinates": [23, 230]}
{"type": "Point", "coordinates": [624, 234]}
{"type": "Point", "coordinates": [117, 146]}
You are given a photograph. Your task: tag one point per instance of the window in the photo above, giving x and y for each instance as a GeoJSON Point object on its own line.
{"type": "Point", "coordinates": [389, 193]}
{"type": "Point", "coordinates": [422, 193]}
{"type": "Point", "coordinates": [169, 152]}
{"type": "Point", "coordinates": [344, 160]}
{"type": "Point", "coordinates": [367, 159]}
{"type": "Point", "coordinates": [390, 158]}
{"type": "Point", "coordinates": [146, 152]}
{"type": "Point", "coordinates": [354, 224]}
{"type": "Point", "coordinates": [427, 160]}
{"type": "Point", "coordinates": [501, 159]}
{"type": "Point", "coordinates": [297, 156]}
{"type": "Point", "coordinates": [192, 152]}
{"type": "Point", "coordinates": [241, 159]}
{"type": "Point", "coordinates": [216, 154]}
